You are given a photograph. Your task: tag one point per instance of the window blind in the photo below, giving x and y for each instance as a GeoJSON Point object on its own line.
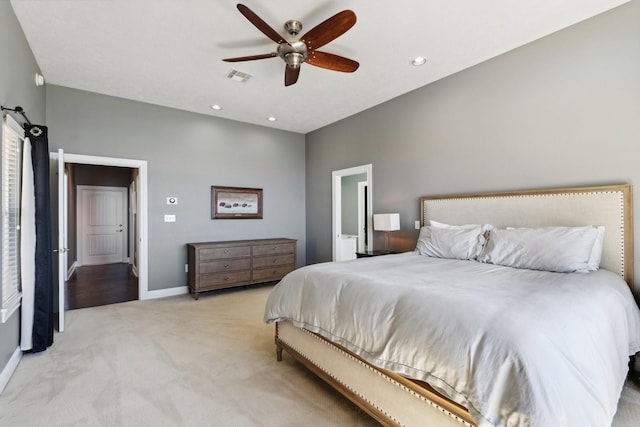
{"type": "Point", "coordinates": [12, 139]}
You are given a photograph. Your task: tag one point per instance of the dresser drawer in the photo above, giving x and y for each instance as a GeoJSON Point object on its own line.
{"type": "Point", "coordinates": [217, 279]}
{"type": "Point", "coordinates": [225, 252]}
{"type": "Point", "coordinates": [276, 260]}
{"type": "Point", "coordinates": [222, 266]}
{"type": "Point", "coordinates": [276, 248]}
{"type": "Point", "coordinates": [275, 273]}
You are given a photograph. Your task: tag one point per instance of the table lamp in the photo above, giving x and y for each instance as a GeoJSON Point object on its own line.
{"type": "Point", "coordinates": [386, 222]}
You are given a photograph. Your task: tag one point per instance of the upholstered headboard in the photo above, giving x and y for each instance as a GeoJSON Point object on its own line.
{"type": "Point", "coordinates": [610, 206]}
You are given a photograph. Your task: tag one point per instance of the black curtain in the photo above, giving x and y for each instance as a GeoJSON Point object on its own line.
{"type": "Point", "coordinates": [43, 293]}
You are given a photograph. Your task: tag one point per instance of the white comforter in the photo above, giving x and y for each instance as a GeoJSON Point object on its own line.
{"type": "Point", "coordinates": [516, 347]}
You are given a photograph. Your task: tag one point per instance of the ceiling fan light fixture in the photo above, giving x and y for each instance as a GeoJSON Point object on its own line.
{"type": "Point", "coordinates": [294, 59]}
{"type": "Point", "coordinates": [271, 119]}
{"type": "Point", "coordinates": [418, 61]}
{"type": "Point", "coordinates": [216, 107]}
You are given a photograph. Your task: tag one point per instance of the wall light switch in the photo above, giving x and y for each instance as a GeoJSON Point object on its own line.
{"type": "Point", "coordinates": [169, 218]}
{"type": "Point", "coordinates": [417, 225]}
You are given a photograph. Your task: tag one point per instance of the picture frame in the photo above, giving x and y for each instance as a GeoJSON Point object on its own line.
{"type": "Point", "coordinates": [236, 203]}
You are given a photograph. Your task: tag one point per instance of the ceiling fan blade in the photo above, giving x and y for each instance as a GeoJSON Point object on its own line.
{"type": "Point", "coordinates": [332, 62]}
{"type": "Point", "coordinates": [291, 75]}
{"type": "Point", "coordinates": [252, 57]}
{"type": "Point", "coordinates": [260, 24]}
{"type": "Point", "coordinates": [329, 30]}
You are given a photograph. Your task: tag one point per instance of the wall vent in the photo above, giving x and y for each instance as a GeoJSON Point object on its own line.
{"type": "Point", "coordinates": [238, 76]}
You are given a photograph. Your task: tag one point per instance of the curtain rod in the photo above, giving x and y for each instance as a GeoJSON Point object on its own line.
{"type": "Point", "coordinates": [18, 110]}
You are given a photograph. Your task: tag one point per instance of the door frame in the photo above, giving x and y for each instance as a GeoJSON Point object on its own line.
{"type": "Point", "coordinates": [81, 226]}
{"type": "Point", "coordinates": [336, 192]}
{"type": "Point", "coordinates": [362, 188]}
{"type": "Point", "coordinates": [142, 209]}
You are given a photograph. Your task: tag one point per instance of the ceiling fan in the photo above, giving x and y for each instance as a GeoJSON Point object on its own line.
{"type": "Point", "coordinates": [296, 51]}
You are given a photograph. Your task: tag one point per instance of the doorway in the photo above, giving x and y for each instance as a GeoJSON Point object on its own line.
{"type": "Point", "coordinates": [351, 192]}
{"type": "Point", "coordinates": [65, 234]}
{"type": "Point", "coordinates": [99, 245]}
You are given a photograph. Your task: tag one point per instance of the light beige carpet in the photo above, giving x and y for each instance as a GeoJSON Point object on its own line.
{"type": "Point", "coordinates": [180, 362]}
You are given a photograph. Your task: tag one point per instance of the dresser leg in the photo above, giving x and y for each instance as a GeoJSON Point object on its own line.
{"type": "Point", "coordinates": [279, 353]}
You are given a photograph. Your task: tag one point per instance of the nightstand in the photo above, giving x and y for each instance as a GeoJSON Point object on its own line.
{"type": "Point", "coordinates": [368, 254]}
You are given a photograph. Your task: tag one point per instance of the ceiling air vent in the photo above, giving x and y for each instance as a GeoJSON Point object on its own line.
{"type": "Point", "coordinates": [238, 76]}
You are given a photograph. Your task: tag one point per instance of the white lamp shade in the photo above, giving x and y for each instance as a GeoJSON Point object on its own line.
{"type": "Point", "coordinates": [386, 222]}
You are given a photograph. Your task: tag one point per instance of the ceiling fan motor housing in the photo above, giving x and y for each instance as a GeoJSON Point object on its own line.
{"type": "Point", "coordinates": [293, 53]}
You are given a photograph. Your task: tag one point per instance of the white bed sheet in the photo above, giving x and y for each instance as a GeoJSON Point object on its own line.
{"type": "Point", "coordinates": [516, 347]}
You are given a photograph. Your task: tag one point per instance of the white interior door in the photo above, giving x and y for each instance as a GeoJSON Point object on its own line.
{"type": "Point", "coordinates": [103, 224]}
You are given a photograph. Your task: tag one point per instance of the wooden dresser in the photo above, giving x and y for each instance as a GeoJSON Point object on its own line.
{"type": "Point", "coordinates": [219, 265]}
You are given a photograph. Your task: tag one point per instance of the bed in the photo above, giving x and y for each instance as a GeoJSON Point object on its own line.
{"type": "Point", "coordinates": [479, 350]}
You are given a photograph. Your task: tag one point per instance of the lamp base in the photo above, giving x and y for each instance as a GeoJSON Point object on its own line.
{"type": "Point", "coordinates": [386, 241]}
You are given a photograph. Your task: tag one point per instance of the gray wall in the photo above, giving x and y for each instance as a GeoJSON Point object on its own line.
{"type": "Point", "coordinates": [17, 71]}
{"type": "Point", "coordinates": [561, 111]}
{"type": "Point", "coordinates": [187, 153]}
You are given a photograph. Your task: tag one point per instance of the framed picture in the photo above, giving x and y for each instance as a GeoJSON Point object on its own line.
{"type": "Point", "coordinates": [236, 203]}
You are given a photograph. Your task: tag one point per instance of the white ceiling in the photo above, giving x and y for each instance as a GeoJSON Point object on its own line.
{"type": "Point", "coordinates": [169, 52]}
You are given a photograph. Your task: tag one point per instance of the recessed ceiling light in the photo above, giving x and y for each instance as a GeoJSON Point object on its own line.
{"type": "Point", "coordinates": [216, 107]}
{"type": "Point", "coordinates": [271, 119]}
{"type": "Point", "coordinates": [419, 60]}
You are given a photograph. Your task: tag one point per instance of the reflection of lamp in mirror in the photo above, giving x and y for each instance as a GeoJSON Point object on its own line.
{"type": "Point", "coordinates": [386, 222]}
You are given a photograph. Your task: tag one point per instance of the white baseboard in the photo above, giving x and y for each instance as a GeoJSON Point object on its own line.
{"type": "Point", "coordinates": [163, 293]}
{"type": "Point", "coordinates": [10, 368]}
{"type": "Point", "coordinates": [72, 269]}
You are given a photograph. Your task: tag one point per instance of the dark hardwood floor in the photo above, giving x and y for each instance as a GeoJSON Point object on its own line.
{"type": "Point", "coordinates": [95, 285]}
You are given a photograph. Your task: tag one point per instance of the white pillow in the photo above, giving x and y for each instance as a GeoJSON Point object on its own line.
{"type": "Point", "coordinates": [454, 243]}
{"type": "Point", "coordinates": [437, 224]}
{"type": "Point", "coordinates": [596, 252]}
{"type": "Point", "coordinates": [559, 249]}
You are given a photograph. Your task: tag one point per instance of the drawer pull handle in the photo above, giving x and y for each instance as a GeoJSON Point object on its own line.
{"type": "Point", "coordinates": [273, 248]}
{"type": "Point", "coordinates": [226, 251]}
{"type": "Point", "coordinates": [226, 278]}
{"type": "Point", "coordinates": [226, 266]}
{"type": "Point", "coordinates": [274, 260]}
{"type": "Point", "coordinates": [274, 272]}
